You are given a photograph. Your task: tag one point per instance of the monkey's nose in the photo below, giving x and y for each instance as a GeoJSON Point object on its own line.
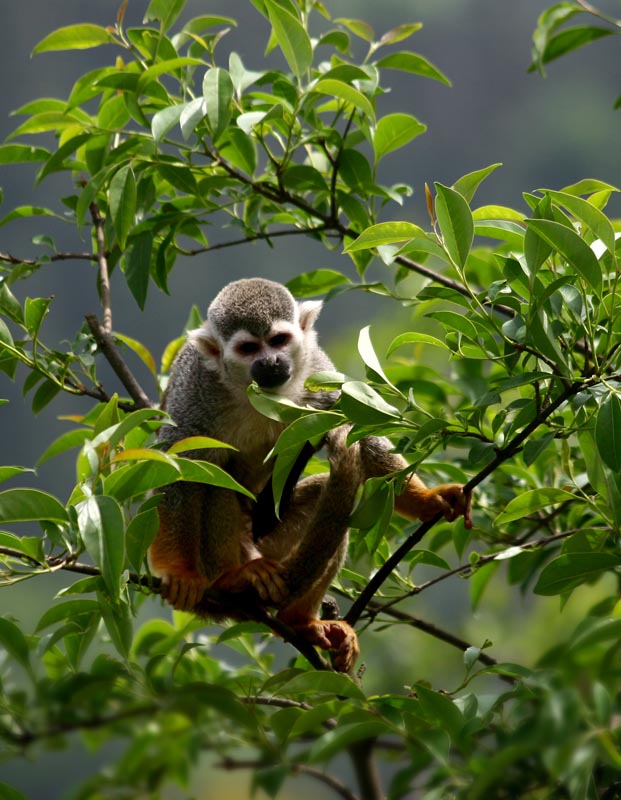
{"type": "Point", "coordinates": [270, 372]}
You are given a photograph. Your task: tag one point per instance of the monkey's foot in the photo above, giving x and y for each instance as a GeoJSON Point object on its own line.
{"type": "Point", "coordinates": [334, 635]}
{"type": "Point", "coordinates": [449, 499]}
{"type": "Point", "coordinates": [260, 574]}
{"type": "Point", "coordinates": [183, 592]}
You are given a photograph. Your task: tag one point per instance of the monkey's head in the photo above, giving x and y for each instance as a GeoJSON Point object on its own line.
{"type": "Point", "coordinates": [256, 331]}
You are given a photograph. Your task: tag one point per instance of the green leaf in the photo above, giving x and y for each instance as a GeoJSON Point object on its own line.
{"type": "Point", "coordinates": [456, 223]}
{"type": "Point", "coordinates": [251, 119]}
{"type": "Point", "coordinates": [7, 472]}
{"type": "Point", "coordinates": [364, 405]}
{"type": "Point", "coordinates": [35, 310]}
{"type": "Point", "coordinates": [164, 11]}
{"type": "Point", "coordinates": [571, 39]}
{"type": "Point", "coordinates": [291, 38]}
{"type": "Point", "coordinates": [573, 249]}
{"type": "Point", "coordinates": [102, 528]}
{"type": "Point", "coordinates": [26, 505]}
{"type": "Point", "coordinates": [138, 264]}
{"type": "Point", "coordinates": [569, 570]}
{"type": "Point", "coordinates": [197, 443]}
{"type": "Point", "coordinates": [141, 532]}
{"type": "Point", "coordinates": [22, 212]}
{"type": "Point", "coordinates": [331, 683]}
{"type": "Point", "coordinates": [413, 63]}
{"type": "Point", "coordinates": [468, 184]}
{"type": "Point", "coordinates": [218, 90]}
{"type": "Point", "coordinates": [203, 472]}
{"type": "Point", "coordinates": [384, 233]}
{"type": "Point", "coordinates": [14, 642]}
{"type": "Point", "coordinates": [342, 737]}
{"type": "Point", "coordinates": [343, 91]}
{"type": "Point", "coordinates": [394, 131]}
{"type": "Point", "coordinates": [306, 428]}
{"type": "Point", "coordinates": [75, 37]}
{"type": "Point", "coordinates": [369, 356]}
{"type": "Point", "coordinates": [164, 120]}
{"type": "Point", "coordinates": [118, 622]}
{"type": "Point", "coordinates": [167, 67]}
{"type": "Point", "coordinates": [532, 501]}
{"type": "Point", "coordinates": [122, 200]}
{"type": "Point", "coordinates": [318, 281]}
{"type": "Point", "coordinates": [608, 432]}
{"type": "Point", "coordinates": [591, 216]}
{"type": "Point", "coordinates": [140, 350]}
{"type": "Point", "coordinates": [415, 338]}
{"type": "Point", "coordinates": [71, 610]}
{"type": "Point", "coordinates": [358, 27]}
{"type": "Point", "coordinates": [9, 793]}
{"type": "Point", "coordinates": [22, 154]}
{"type": "Point", "coordinates": [192, 113]}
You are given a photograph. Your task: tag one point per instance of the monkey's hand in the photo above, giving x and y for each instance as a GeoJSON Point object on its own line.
{"type": "Point", "coordinates": [260, 574]}
{"type": "Point", "coordinates": [448, 499]}
{"type": "Point", "coordinates": [334, 635]}
{"type": "Point", "coordinates": [183, 592]}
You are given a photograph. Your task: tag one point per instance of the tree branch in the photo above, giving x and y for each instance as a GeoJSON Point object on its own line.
{"type": "Point", "coordinates": [341, 789]}
{"type": "Point", "coordinates": [245, 605]}
{"type": "Point", "coordinates": [354, 613]}
{"type": "Point", "coordinates": [104, 277]}
{"type": "Point", "coordinates": [7, 258]}
{"type": "Point", "coordinates": [105, 342]}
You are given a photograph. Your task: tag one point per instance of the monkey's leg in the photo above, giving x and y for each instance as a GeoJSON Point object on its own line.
{"type": "Point", "coordinates": [311, 541]}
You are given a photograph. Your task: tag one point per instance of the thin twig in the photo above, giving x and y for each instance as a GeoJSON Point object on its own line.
{"type": "Point", "coordinates": [7, 258]}
{"type": "Point", "coordinates": [257, 237]}
{"type": "Point", "coordinates": [105, 342]}
{"type": "Point", "coordinates": [104, 277]}
{"type": "Point", "coordinates": [470, 569]}
{"type": "Point", "coordinates": [343, 791]}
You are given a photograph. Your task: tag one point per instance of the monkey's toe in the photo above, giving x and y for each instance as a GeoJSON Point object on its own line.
{"type": "Point", "coordinates": [182, 593]}
{"type": "Point", "coordinates": [337, 636]}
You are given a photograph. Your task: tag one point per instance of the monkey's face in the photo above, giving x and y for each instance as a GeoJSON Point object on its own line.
{"type": "Point", "coordinates": [255, 331]}
{"type": "Point", "coordinates": [271, 360]}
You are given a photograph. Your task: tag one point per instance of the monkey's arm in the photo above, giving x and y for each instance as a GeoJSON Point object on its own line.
{"type": "Point", "coordinates": [416, 501]}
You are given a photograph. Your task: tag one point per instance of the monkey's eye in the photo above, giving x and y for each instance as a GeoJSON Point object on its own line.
{"type": "Point", "coordinates": [248, 348]}
{"type": "Point", "coordinates": [279, 340]}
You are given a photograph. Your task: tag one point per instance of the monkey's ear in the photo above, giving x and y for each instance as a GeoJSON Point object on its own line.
{"type": "Point", "coordinates": [309, 311]}
{"type": "Point", "coordinates": [205, 342]}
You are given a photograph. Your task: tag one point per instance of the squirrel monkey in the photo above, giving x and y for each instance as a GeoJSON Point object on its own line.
{"type": "Point", "coordinates": [256, 331]}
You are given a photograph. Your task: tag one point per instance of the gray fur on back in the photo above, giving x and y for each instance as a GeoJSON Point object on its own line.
{"type": "Point", "coordinates": [250, 304]}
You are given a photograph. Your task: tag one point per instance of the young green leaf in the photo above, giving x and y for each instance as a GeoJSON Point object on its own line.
{"type": "Point", "coordinates": [291, 37]}
{"type": "Point", "coordinates": [218, 92]}
{"type": "Point", "coordinates": [532, 501]}
{"type": "Point", "coordinates": [122, 200]}
{"type": "Point", "coordinates": [24, 505]}
{"type": "Point", "coordinates": [608, 432]}
{"type": "Point", "coordinates": [75, 37]}
{"type": "Point", "coordinates": [384, 233]}
{"type": "Point", "coordinates": [343, 91]}
{"type": "Point", "coordinates": [413, 63]}
{"type": "Point", "coordinates": [456, 223]}
{"type": "Point", "coordinates": [569, 570]}
{"type": "Point", "coordinates": [164, 120]}
{"type": "Point", "coordinates": [468, 184]}
{"type": "Point", "coordinates": [102, 528]}
{"type": "Point", "coordinates": [394, 131]}
{"type": "Point", "coordinates": [573, 249]}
